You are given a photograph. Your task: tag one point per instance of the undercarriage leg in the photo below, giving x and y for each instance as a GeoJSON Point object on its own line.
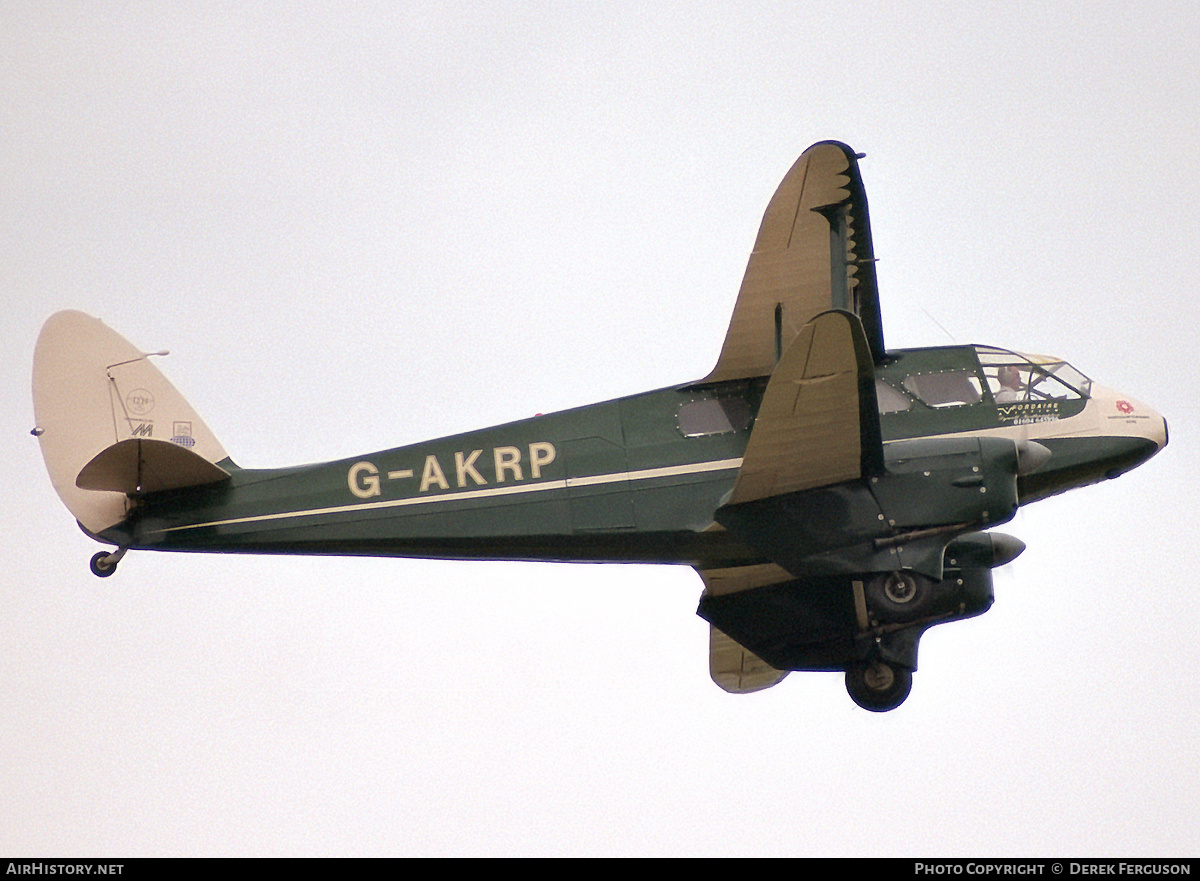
{"type": "Point", "coordinates": [104, 563]}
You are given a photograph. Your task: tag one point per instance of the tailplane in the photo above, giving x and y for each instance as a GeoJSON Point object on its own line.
{"type": "Point", "coordinates": [111, 426]}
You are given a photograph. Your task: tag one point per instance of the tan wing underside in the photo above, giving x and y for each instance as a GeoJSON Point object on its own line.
{"type": "Point", "coordinates": [791, 266]}
{"type": "Point", "coordinates": [806, 434]}
{"type": "Point", "coordinates": [733, 667]}
{"type": "Point", "coordinates": [737, 669]}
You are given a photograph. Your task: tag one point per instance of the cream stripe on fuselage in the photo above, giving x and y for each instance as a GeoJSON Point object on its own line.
{"type": "Point", "coordinates": [593, 480]}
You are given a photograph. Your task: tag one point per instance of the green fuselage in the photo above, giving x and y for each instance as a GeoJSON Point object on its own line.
{"type": "Point", "coordinates": [638, 479]}
{"type": "Point", "coordinates": [612, 481]}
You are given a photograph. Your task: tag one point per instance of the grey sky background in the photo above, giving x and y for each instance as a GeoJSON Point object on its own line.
{"type": "Point", "coordinates": [358, 226]}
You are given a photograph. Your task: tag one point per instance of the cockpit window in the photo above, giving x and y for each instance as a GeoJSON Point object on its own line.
{"type": "Point", "coordinates": [963, 388]}
{"type": "Point", "coordinates": [1013, 377]}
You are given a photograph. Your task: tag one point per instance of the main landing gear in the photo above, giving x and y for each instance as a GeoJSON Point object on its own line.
{"type": "Point", "coordinates": [892, 613]}
{"type": "Point", "coordinates": [104, 563]}
{"type": "Point", "coordinates": [878, 686]}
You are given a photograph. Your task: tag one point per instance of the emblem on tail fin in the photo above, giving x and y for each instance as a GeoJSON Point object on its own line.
{"type": "Point", "coordinates": [182, 435]}
{"type": "Point", "coordinates": [139, 402]}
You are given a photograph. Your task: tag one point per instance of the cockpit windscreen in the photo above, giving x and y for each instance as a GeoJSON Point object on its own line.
{"type": "Point", "coordinates": [1012, 377]}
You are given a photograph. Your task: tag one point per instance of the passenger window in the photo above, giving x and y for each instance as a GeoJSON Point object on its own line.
{"type": "Point", "coordinates": [891, 400]}
{"type": "Point", "coordinates": [713, 416]}
{"type": "Point", "coordinates": [950, 388]}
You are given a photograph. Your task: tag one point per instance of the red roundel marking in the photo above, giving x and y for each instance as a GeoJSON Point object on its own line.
{"type": "Point", "coordinates": [1125, 406]}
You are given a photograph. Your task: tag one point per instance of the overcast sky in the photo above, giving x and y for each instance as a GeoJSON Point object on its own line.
{"type": "Point", "coordinates": [362, 225]}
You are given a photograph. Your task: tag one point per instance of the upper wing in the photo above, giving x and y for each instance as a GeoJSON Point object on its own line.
{"type": "Point", "coordinates": [813, 253]}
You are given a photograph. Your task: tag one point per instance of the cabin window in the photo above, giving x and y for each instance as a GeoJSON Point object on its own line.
{"type": "Point", "coordinates": [713, 416]}
{"type": "Point", "coordinates": [891, 400]}
{"type": "Point", "coordinates": [948, 388]}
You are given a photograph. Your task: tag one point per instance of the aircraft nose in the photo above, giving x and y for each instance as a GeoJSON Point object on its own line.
{"type": "Point", "coordinates": [1132, 418]}
{"type": "Point", "coordinates": [1155, 429]}
{"type": "Point", "coordinates": [1139, 431]}
{"type": "Point", "coordinates": [1162, 435]}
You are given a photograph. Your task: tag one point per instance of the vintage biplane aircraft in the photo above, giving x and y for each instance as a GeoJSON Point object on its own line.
{"type": "Point", "coordinates": [833, 495]}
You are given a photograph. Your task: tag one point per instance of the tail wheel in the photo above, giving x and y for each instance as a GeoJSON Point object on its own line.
{"type": "Point", "coordinates": [877, 686]}
{"type": "Point", "coordinates": [104, 564]}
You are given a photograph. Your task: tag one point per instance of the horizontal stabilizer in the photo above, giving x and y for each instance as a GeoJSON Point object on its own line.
{"type": "Point", "coordinates": [139, 466]}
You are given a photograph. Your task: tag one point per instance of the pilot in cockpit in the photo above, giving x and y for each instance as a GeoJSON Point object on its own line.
{"type": "Point", "coordinates": [1010, 385]}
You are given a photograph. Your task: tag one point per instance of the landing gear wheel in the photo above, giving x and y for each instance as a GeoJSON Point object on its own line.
{"type": "Point", "coordinates": [898, 596]}
{"type": "Point", "coordinates": [877, 686]}
{"type": "Point", "coordinates": [102, 567]}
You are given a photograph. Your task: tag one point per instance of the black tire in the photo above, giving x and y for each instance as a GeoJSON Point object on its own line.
{"type": "Point", "coordinates": [877, 686]}
{"type": "Point", "coordinates": [898, 596]}
{"type": "Point", "coordinates": [99, 569]}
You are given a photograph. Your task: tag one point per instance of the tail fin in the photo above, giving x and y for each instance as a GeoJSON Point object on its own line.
{"type": "Point", "coordinates": [111, 426]}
